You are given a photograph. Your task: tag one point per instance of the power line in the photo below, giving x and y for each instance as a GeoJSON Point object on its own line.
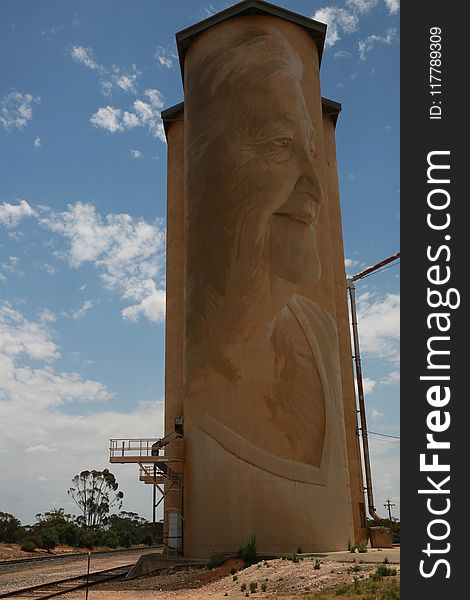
{"type": "Point", "coordinates": [396, 437]}
{"type": "Point", "coordinates": [382, 439]}
{"type": "Point", "coordinates": [380, 270]}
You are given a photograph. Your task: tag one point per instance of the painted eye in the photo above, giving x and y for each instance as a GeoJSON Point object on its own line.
{"type": "Point", "coordinates": [286, 143]}
{"type": "Point", "coordinates": [279, 149]}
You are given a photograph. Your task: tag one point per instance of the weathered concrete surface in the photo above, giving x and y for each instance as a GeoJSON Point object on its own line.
{"type": "Point", "coordinates": [149, 563]}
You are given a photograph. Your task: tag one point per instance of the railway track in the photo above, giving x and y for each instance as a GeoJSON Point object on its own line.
{"type": "Point", "coordinates": [72, 555]}
{"type": "Point", "coordinates": [70, 584]}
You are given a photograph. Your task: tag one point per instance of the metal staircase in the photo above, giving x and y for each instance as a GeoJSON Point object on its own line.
{"type": "Point", "coordinates": [163, 471]}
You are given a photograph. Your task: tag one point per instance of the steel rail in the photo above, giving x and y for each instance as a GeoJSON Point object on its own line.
{"type": "Point", "coordinates": [50, 589]}
{"type": "Point", "coordinates": [17, 561]}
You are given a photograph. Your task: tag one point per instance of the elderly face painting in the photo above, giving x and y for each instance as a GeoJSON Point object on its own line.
{"type": "Point", "coordinates": [252, 176]}
{"type": "Point", "coordinates": [253, 200]}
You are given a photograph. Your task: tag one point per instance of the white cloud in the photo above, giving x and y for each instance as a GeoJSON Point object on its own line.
{"type": "Point", "coordinates": [46, 316]}
{"type": "Point", "coordinates": [40, 448]}
{"type": "Point", "coordinates": [338, 20]}
{"type": "Point", "coordinates": [78, 314]}
{"type": "Point", "coordinates": [37, 142]}
{"type": "Point", "coordinates": [126, 81]}
{"type": "Point", "coordinates": [16, 109]}
{"type": "Point", "coordinates": [144, 114]}
{"type": "Point", "coordinates": [45, 266]}
{"type": "Point", "coordinates": [165, 57]}
{"type": "Point", "coordinates": [365, 46]}
{"type": "Point", "coordinates": [84, 56]}
{"type": "Point", "coordinates": [362, 6]}
{"type": "Point", "coordinates": [18, 336]}
{"type": "Point", "coordinates": [375, 414]}
{"type": "Point", "coordinates": [393, 6]}
{"type": "Point", "coordinates": [393, 378]}
{"type": "Point", "coordinates": [342, 54]}
{"type": "Point", "coordinates": [109, 118]}
{"type": "Point", "coordinates": [49, 444]}
{"type": "Point", "coordinates": [368, 385]}
{"type": "Point", "coordinates": [346, 20]}
{"type": "Point", "coordinates": [209, 11]}
{"type": "Point", "coordinates": [136, 154]}
{"type": "Point", "coordinates": [10, 266]}
{"type": "Point", "coordinates": [379, 325]}
{"type": "Point", "coordinates": [127, 252]}
{"type": "Point", "coordinates": [12, 214]}
{"type": "Point", "coordinates": [351, 262]}
{"type": "Point", "coordinates": [106, 88]}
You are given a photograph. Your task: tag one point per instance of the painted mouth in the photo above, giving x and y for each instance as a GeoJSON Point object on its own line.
{"type": "Point", "coordinates": [301, 207]}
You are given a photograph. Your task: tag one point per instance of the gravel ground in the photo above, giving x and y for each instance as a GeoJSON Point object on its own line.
{"type": "Point", "coordinates": [283, 579]}
{"type": "Point", "coordinates": [20, 575]}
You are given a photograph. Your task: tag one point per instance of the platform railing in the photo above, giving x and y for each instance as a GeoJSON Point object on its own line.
{"type": "Point", "coordinates": [126, 448]}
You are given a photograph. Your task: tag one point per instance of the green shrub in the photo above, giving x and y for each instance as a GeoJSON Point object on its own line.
{"type": "Point", "coordinates": [317, 564]}
{"type": "Point", "coordinates": [147, 539]}
{"type": "Point", "coordinates": [362, 546]}
{"type": "Point", "coordinates": [49, 538]}
{"type": "Point", "coordinates": [383, 571]}
{"type": "Point", "coordinates": [215, 561]}
{"type": "Point", "coordinates": [243, 587]}
{"type": "Point", "coordinates": [109, 539]}
{"type": "Point", "coordinates": [264, 586]}
{"type": "Point", "coordinates": [253, 586]}
{"type": "Point", "coordinates": [87, 539]}
{"type": "Point", "coordinates": [126, 538]}
{"type": "Point", "coordinates": [248, 552]}
{"type": "Point", "coordinates": [28, 545]}
{"type": "Point", "coordinates": [293, 556]}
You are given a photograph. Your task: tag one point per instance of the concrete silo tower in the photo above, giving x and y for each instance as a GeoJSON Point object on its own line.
{"type": "Point", "coordinates": [258, 358]}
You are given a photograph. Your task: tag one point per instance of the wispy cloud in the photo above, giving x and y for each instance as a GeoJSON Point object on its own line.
{"type": "Point", "coordinates": [144, 113]}
{"type": "Point", "coordinates": [81, 312]}
{"type": "Point", "coordinates": [393, 378]}
{"type": "Point", "coordinates": [165, 57]}
{"type": "Point", "coordinates": [124, 80]}
{"type": "Point", "coordinates": [365, 46]}
{"type": "Point", "coordinates": [16, 110]}
{"type": "Point", "coordinates": [362, 6]}
{"type": "Point", "coordinates": [343, 54]}
{"type": "Point", "coordinates": [12, 214]}
{"type": "Point", "coordinates": [339, 20]}
{"type": "Point", "coordinates": [84, 56]}
{"type": "Point", "coordinates": [37, 142]}
{"type": "Point", "coordinates": [393, 6]}
{"type": "Point", "coordinates": [209, 10]}
{"type": "Point", "coordinates": [128, 253]}
{"type": "Point", "coordinates": [136, 154]}
{"type": "Point", "coordinates": [345, 20]}
{"type": "Point", "coordinates": [379, 325]}
{"type": "Point", "coordinates": [10, 266]}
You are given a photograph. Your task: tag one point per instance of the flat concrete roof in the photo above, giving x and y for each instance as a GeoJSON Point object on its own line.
{"type": "Point", "coordinates": [173, 113]}
{"type": "Point", "coordinates": [185, 37]}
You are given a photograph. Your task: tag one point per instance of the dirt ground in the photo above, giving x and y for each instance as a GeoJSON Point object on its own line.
{"type": "Point", "coordinates": [280, 579]}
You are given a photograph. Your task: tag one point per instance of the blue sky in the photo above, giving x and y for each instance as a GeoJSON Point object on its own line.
{"type": "Point", "coordinates": [82, 227]}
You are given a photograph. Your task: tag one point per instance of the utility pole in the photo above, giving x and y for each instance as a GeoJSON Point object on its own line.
{"type": "Point", "coordinates": [360, 388]}
{"type": "Point", "coordinates": [389, 505]}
